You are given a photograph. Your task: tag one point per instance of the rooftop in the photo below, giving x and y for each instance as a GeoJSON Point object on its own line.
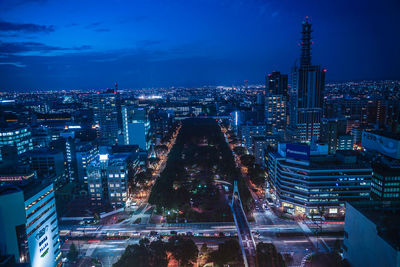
{"type": "Point", "coordinates": [30, 188]}
{"type": "Point", "coordinates": [325, 162]}
{"type": "Point", "coordinates": [391, 135]}
{"type": "Point", "coordinates": [386, 216]}
{"type": "Point", "coordinates": [11, 127]}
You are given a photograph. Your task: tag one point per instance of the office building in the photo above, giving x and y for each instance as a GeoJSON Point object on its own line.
{"type": "Point", "coordinates": [345, 142]}
{"type": "Point", "coordinates": [307, 94]}
{"type": "Point", "coordinates": [85, 153]}
{"type": "Point", "coordinates": [276, 113]}
{"type": "Point", "coordinates": [259, 146]}
{"type": "Point", "coordinates": [385, 184]}
{"type": "Point", "coordinates": [385, 143]}
{"type": "Point", "coordinates": [331, 129]}
{"type": "Point", "coordinates": [136, 127]}
{"type": "Point", "coordinates": [106, 115]}
{"type": "Point", "coordinates": [28, 224]}
{"type": "Point", "coordinates": [49, 163]}
{"type": "Point", "coordinates": [108, 178]}
{"type": "Point", "coordinates": [276, 84]}
{"type": "Point", "coordinates": [371, 233]}
{"type": "Point", "coordinates": [249, 131]}
{"type": "Point", "coordinates": [17, 137]}
{"type": "Point", "coordinates": [161, 122]}
{"type": "Point", "coordinates": [276, 98]}
{"type": "Point", "coordinates": [306, 179]}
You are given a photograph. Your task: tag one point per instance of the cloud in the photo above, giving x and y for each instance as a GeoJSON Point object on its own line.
{"type": "Point", "coordinates": [102, 30]}
{"type": "Point", "coordinates": [71, 25]}
{"type": "Point", "coordinates": [93, 25]}
{"type": "Point", "coordinates": [6, 26]}
{"type": "Point", "coordinates": [23, 47]}
{"type": "Point", "coordinates": [15, 64]}
{"type": "Point", "coordinates": [147, 43]}
{"type": "Point", "coordinates": [10, 4]}
{"type": "Point", "coordinates": [274, 14]}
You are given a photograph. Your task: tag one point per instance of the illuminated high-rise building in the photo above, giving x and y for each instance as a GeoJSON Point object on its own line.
{"type": "Point", "coordinates": [276, 97]}
{"type": "Point", "coordinates": [29, 226]}
{"type": "Point", "coordinates": [106, 115]}
{"type": "Point", "coordinates": [15, 139]}
{"type": "Point", "coordinates": [136, 127]}
{"type": "Point", "coordinates": [307, 93]}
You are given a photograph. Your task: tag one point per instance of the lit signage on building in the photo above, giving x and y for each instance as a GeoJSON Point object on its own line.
{"type": "Point", "coordinates": [385, 145]}
{"type": "Point", "coordinates": [299, 152]}
{"type": "Point", "coordinates": [41, 247]}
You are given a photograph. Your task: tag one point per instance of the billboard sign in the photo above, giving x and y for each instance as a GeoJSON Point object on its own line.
{"type": "Point", "coordinates": [387, 146]}
{"type": "Point", "coordinates": [41, 249]}
{"type": "Point", "coordinates": [298, 152]}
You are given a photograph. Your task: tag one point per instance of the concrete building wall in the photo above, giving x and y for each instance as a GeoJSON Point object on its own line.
{"type": "Point", "coordinates": [12, 214]}
{"type": "Point", "coordinates": [363, 247]}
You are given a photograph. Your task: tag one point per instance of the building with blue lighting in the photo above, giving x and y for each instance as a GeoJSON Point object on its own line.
{"type": "Point", "coordinates": [304, 180]}
{"type": "Point", "coordinates": [28, 224]}
{"type": "Point", "coordinates": [136, 127]}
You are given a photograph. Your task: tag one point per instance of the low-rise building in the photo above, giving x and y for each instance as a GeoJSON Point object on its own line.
{"type": "Point", "coordinates": [372, 233]}
{"type": "Point", "coordinates": [108, 178]}
{"type": "Point", "coordinates": [305, 180]}
{"type": "Point", "coordinates": [385, 183]}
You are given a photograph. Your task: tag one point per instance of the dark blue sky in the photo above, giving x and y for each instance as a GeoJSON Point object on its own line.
{"type": "Point", "coordinates": [79, 44]}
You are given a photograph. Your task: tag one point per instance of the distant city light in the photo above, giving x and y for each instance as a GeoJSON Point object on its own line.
{"type": "Point", "coordinates": [150, 97]}
{"type": "Point", "coordinates": [73, 127]}
{"type": "Point", "coordinates": [103, 157]}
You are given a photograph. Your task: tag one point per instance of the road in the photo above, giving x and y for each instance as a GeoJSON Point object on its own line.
{"type": "Point", "coordinates": [245, 236]}
{"type": "Point", "coordinates": [296, 238]}
{"type": "Point", "coordinates": [109, 251]}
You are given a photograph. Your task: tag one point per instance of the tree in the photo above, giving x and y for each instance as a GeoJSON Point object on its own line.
{"type": "Point", "coordinates": [268, 256]}
{"type": "Point", "coordinates": [184, 250]}
{"type": "Point", "coordinates": [204, 248]}
{"type": "Point", "coordinates": [96, 217]}
{"type": "Point", "coordinates": [144, 254]}
{"type": "Point", "coordinates": [159, 255]}
{"type": "Point", "coordinates": [73, 253]}
{"type": "Point", "coordinates": [239, 150]}
{"type": "Point", "coordinates": [247, 160]}
{"type": "Point", "coordinates": [227, 252]}
{"type": "Point", "coordinates": [257, 175]}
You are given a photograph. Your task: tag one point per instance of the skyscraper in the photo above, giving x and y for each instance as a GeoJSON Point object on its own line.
{"type": "Point", "coordinates": [106, 115]}
{"type": "Point", "coordinates": [15, 139]}
{"type": "Point", "coordinates": [136, 127]}
{"type": "Point", "coordinates": [276, 97]}
{"type": "Point", "coordinates": [276, 83]}
{"type": "Point", "coordinates": [307, 93]}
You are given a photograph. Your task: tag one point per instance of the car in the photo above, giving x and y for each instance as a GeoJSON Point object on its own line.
{"type": "Point", "coordinates": [173, 232]}
{"type": "Point", "coordinates": [153, 233]}
{"type": "Point", "coordinates": [135, 234]}
{"type": "Point", "coordinates": [189, 233]}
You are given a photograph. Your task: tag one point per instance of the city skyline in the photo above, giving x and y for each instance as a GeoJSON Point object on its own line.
{"type": "Point", "coordinates": [194, 134]}
{"type": "Point", "coordinates": [140, 45]}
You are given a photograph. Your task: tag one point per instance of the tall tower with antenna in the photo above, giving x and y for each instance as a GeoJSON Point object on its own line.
{"type": "Point", "coordinates": [305, 58]}
{"type": "Point", "coordinates": [307, 93]}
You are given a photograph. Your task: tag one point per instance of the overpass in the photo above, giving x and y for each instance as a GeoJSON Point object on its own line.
{"type": "Point", "coordinates": [247, 244]}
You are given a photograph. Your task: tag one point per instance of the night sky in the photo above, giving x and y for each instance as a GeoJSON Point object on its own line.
{"type": "Point", "coordinates": [86, 44]}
